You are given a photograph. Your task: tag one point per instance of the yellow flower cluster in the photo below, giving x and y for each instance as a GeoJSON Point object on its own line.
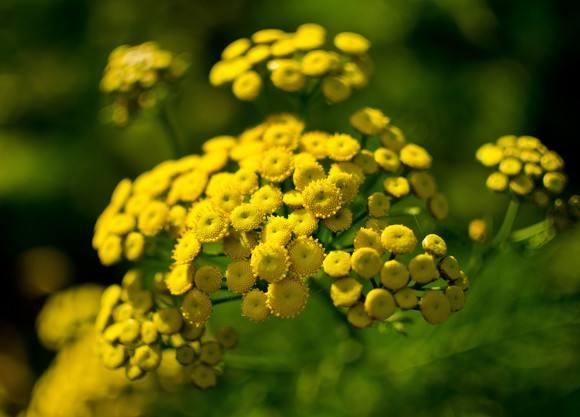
{"type": "Point", "coordinates": [294, 62]}
{"type": "Point", "coordinates": [67, 314]}
{"type": "Point", "coordinates": [525, 167]}
{"type": "Point", "coordinates": [77, 384]}
{"type": "Point", "coordinates": [134, 335]}
{"type": "Point", "coordinates": [371, 283]}
{"type": "Point", "coordinates": [132, 74]}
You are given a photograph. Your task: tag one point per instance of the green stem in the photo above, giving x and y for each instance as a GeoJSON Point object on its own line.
{"type": "Point", "coordinates": [226, 299]}
{"type": "Point", "coordinates": [170, 130]}
{"type": "Point", "coordinates": [508, 223]}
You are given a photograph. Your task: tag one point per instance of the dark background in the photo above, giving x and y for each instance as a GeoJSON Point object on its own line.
{"type": "Point", "coordinates": [452, 73]}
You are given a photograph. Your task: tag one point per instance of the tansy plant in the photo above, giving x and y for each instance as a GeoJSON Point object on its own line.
{"type": "Point", "coordinates": [261, 217]}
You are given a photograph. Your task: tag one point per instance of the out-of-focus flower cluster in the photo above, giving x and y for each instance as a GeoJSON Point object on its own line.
{"type": "Point", "coordinates": [294, 62]}
{"type": "Point", "coordinates": [525, 167]}
{"type": "Point", "coordinates": [136, 77]}
{"type": "Point", "coordinates": [76, 383]}
{"type": "Point", "coordinates": [139, 328]}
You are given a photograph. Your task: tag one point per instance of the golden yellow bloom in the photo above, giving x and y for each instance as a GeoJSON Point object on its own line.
{"type": "Point", "coordinates": [208, 279]}
{"type": "Point", "coordinates": [268, 35]}
{"type": "Point", "coordinates": [277, 164]}
{"type": "Point", "coordinates": [335, 89]}
{"type": "Point", "coordinates": [236, 48]}
{"type": "Point", "coordinates": [282, 135]}
{"type": "Point", "coordinates": [555, 182]}
{"type": "Point", "coordinates": [196, 307]}
{"type": "Point", "coordinates": [489, 154]}
{"type": "Point", "coordinates": [379, 304]}
{"type": "Point", "coordinates": [247, 86]}
{"type": "Point", "coordinates": [168, 320]}
{"type": "Point", "coordinates": [111, 250]}
{"type": "Point", "coordinates": [226, 71]}
{"type": "Point", "coordinates": [239, 276]}
{"type": "Point", "coordinates": [369, 121]}
{"type": "Point", "coordinates": [347, 184]}
{"type": "Point", "coordinates": [269, 262]}
{"type": "Point", "coordinates": [152, 218]}
{"type": "Point", "coordinates": [415, 156]}
{"type": "Point", "coordinates": [246, 217]}
{"type": "Point", "coordinates": [342, 147]}
{"type": "Point", "coordinates": [456, 297]}
{"type": "Point", "coordinates": [398, 239]}
{"type": "Point", "coordinates": [497, 182]}
{"type": "Point", "coordinates": [365, 160]}
{"type": "Point", "coordinates": [316, 63]}
{"type": "Point", "coordinates": [379, 204]}
{"type": "Point", "coordinates": [186, 249]}
{"type": "Point", "coordinates": [394, 275]}
{"type": "Point", "coordinates": [180, 279]}
{"type": "Point", "coordinates": [277, 230]}
{"type": "Point", "coordinates": [368, 238]}
{"type": "Point", "coordinates": [510, 166]}
{"type": "Point", "coordinates": [340, 222]}
{"type": "Point", "coordinates": [522, 185]}
{"type": "Point", "coordinates": [366, 262]}
{"type": "Point", "coordinates": [246, 181]}
{"type": "Point", "coordinates": [306, 256]}
{"type": "Point", "coordinates": [322, 198]}
{"type": "Point", "coordinates": [287, 298]}
{"type": "Point", "coordinates": [397, 186]}
{"type": "Point", "coordinates": [293, 199]}
{"type": "Point", "coordinates": [423, 184]}
{"type": "Point", "coordinates": [435, 245]}
{"type": "Point", "coordinates": [352, 43]}
{"type": "Point", "coordinates": [435, 307]}
{"type": "Point", "coordinates": [438, 206]}
{"type": "Point", "coordinates": [268, 198]}
{"type": "Point", "coordinates": [211, 226]}
{"type": "Point", "coordinates": [387, 159]}
{"type": "Point", "coordinates": [134, 246]}
{"type": "Point", "coordinates": [303, 222]}
{"type": "Point", "coordinates": [551, 161]}
{"type": "Point", "coordinates": [314, 143]}
{"type": "Point", "coordinates": [258, 54]}
{"type": "Point", "coordinates": [358, 317]}
{"type": "Point", "coordinates": [254, 305]}
{"type": "Point", "coordinates": [449, 268]}
{"type": "Point", "coordinates": [287, 76]}
{"type": "Point", "coordinates": [345, 292]}
{"type": "Point", "coordinates": [406, 298]}
{"type": "Point", "coordinates": [337, 264]}
{"type": "Point", "coordinates": [305, 173]}
{"type": "Point", "coordinates": [422, 269]}
{"type": "Point", "coordinates": [393, 138]}
{"type": "Point", "coordinates": [309, 36]}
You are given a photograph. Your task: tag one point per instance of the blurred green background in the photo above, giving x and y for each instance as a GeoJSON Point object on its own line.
{"type": "Point", "coordinates": [452, 73]}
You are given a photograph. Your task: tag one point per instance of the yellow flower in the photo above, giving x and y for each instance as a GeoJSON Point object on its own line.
{"type": "Point", "coordinates": [287, 76]}
{"type": "Point", "coordinates": [352, 43]}
{"type": "Point", "coordinates": [406, 298]}
{"type": "Point", "coordinates": [393, 138]}
{"type": "Point", "coordinates": [489, 154]}
{"type": "Point", "coordinates": [306, 173]}
{"type": "Point", "coordinates": [379, 204]}
{"type": "Point", "coordinates": [551, 161]}
{"type": "Point", "coordinates": [346, 183]}
{"type": "Point", "coordinates": [365, 160]}
{"type": "Point", "coordinates": [533, 170]}
{"type": "Point", "coordinates": [342, 147]}
{"type": "Point", "coordinates": [379, 304]}
{"type": "Point", "coordinates": [269, 262]}
{"type": "Point", "coordinates": [397, 186]}
{"type": "Point", "coordinates": [423, 269]}
{"type": "Point", "coordinates": [278, 231]}
{"type": "Point", "coordinates": [522, 185]}
{"type": "Point", "coordinates": [153, 217]}
{"type": "Point", "coordinates": [282, 135]}
{"type": "Point", "coordinates": [358, 317]}
{"type": "Point", "coordinates": [438, 206]}
{"type": "Point", "coordinates": [478, 230]}
{"type": "Point", "coordinates": [167, 320]}
{"type": "Point", "coordinates": [237, 248]}
{"type": "Point", "coordinates": [335, 89]}
{"type": "Point", "coordinates": [196, 307]}
{"type": "Point", "coordinates": [322, 198]}
{"type": "Point", "coordinates": [369, 121]}
{"type": "Point", "coordinates": [423, 184]}
{"type": "Point", "coordinates": [293, 199]}
{"type": "Point", "coordinates": [555, 182]}
{"type": "Point", "coordinates": [268, 198]}
{"type": "Point", "coordinates": [314, 143]}
{"type": "Point", "coordinates": [368, 238]}
{"type": "Point", "coordinates": [435, 307]}
{"type": "Point", "coordinates": [219, 143]}
{"type": "Point", "coordinates": [246, 217]}
{"type": "Point", "coordinates": [287, 298]}
{"type": "Point", "coordinates": [394, 275]}
{"type": "Point", "coordinates": [186, 248]}
{"type": "Point", "coordinates": [340, 222]}
{"type": "Point", "coordinates": [254, 305]}
{"type": "Point", "coordinates": [236, 48]}
{"type": "Point", "coordinates": [497, 182]}
{"type": "Point", "coordinates": [203, 376]}
{"type": "Point", "coordinates": [303, 222]}
{"type": "Point", "coordinates": [316, 63]}
{"type": "Point", "coordinates": [398, 239]}
{"type": "Point", "coordinates": [268, 35]}
{"type": "Point", "coordinates": [121, 223]}
{"type": "Point", "coordinates": [510, 166]}
{"type": "Point", "coordinates": [277, 164]}
{"type": "Point", "coordinates": [337, 263]}
{"type": "Point", "coordinates": [246, 181]}
{"type": "Point", "coordinates": [415, 156]}
{"type": "Point", "coordinates": [387, 159]}
{"type": "Point", "coordinates": [208, 279]}
{"type": "Point", "coordinates": [134, 246]}
{"type": "Point", "coordinates": [366, 262]}
{"type": "Point", "coordinates": [239, 276]}
{"type": "Point", "coordinates": [348, 168]}
{"type": "Point", "coordinates": [211, 226]}
{"type": "Point", "coordinates": [111, 250]}
{"type": "Point", "coordinates": [449, 268]}
{"type": "Point", "coordinates": [258, 54]}
{"type": "Point", "coordinates": [283, 47]}
{"type": "Point", "coordinates": [305, 255]}
{"type": "Point", "coordinates": [345, 292]}
{"type": "Point", "coordinates": [309, 36]}
{"type": "Point", "coordinates": [211, 353]}
{"type": "Point", "coordinates": [435, 245]}
{"type": "Point", "coordinates": [180, 279]}
{"type": "Point", "coordinates": [247, 86]}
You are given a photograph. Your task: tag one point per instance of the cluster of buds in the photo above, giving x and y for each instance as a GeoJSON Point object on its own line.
{"type": "Point", "coordinates": [295, 62]}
